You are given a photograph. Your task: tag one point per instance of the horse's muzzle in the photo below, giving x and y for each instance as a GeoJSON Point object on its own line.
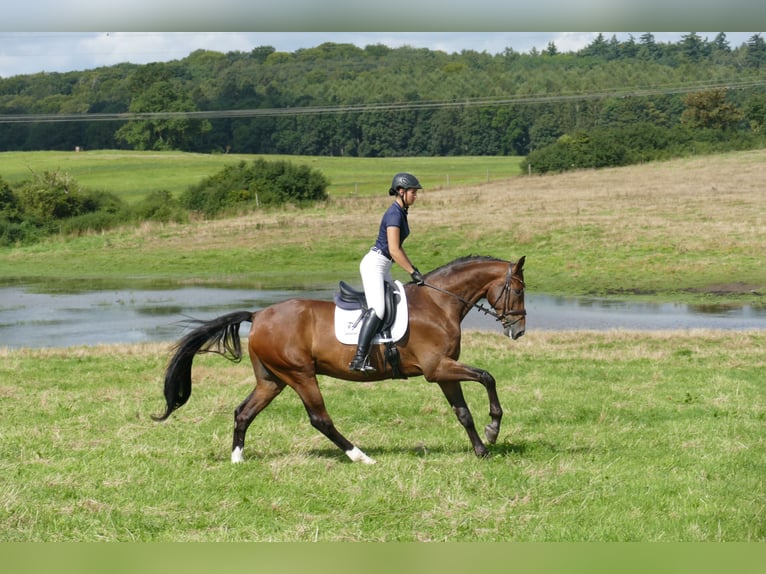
{"type": "Point", "coordinates": [515, 331]}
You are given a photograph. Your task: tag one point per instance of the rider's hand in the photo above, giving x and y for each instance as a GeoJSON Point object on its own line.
{"type": "Point", "coordinates": [417, 276]}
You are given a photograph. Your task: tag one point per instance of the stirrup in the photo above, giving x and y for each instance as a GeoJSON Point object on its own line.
{"type": "Point", "coordinates": [362, 365]}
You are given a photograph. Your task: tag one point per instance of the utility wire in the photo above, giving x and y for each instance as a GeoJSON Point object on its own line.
{"type": "Point", "coordinates": [627, 92]}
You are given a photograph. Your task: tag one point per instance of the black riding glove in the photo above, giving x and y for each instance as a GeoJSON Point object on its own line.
{"type": "Point", "coordinates": [417, 276]}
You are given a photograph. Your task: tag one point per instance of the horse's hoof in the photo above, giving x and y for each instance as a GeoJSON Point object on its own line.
{"type": "Point", "coordinates": [491, 433]}
{"type": "Point", "coordinates": [356, 455]}
{"type": "Point", "coordinates": [481, 452]}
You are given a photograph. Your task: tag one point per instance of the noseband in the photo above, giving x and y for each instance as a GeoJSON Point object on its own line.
{"type": "Point", "coordinates": [505, 294]}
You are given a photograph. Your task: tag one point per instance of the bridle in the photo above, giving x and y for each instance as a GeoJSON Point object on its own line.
{"type": "Point", "coordinates": [505, 295]}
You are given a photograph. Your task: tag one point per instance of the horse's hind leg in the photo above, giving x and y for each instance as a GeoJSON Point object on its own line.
{"type": "Point", "coordinates": [308, 390]}
{"type": "Point", "coordinates": [266, 388]}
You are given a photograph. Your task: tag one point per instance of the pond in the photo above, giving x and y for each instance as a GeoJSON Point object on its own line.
{"type": "Point", "coordinates": [32, 319]}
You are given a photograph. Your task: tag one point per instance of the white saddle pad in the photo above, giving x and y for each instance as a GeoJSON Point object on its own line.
{"type": "Point", "coordinates": [347, 323]}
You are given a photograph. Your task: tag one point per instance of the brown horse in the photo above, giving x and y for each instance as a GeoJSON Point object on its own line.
{"type": "Point", "coordinates": [293, 341]}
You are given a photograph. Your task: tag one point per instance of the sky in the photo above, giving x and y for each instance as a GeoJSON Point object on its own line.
{"type": "Point", "coordinates": [30, 52]}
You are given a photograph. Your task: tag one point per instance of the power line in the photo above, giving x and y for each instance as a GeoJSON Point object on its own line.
{"type": "Point", "coordinates": [627, 92]}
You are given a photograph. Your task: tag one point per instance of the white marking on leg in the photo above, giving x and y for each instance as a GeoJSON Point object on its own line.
{"type": "Point", "coordinates": [237, 455]}
{"type": "Point", "coordinates": [357, 455]}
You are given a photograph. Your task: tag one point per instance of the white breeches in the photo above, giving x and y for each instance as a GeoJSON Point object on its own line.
{"type": "Point", "coordinates": [375, 270]}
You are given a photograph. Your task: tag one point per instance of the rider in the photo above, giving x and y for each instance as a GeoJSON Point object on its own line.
{"type": "Point", "coordinates": [375, 267]}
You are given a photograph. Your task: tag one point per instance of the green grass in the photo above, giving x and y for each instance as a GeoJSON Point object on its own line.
{"type": "Point", "coordinates": [606, 437]}
{"type": "Point", "coordinates": [688, 230]}
{"type": "Point", "coordinates": [133, 174]}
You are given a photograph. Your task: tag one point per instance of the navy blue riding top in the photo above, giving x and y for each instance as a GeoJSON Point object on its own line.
{"type": "Point", "coordinates": [395, 216]}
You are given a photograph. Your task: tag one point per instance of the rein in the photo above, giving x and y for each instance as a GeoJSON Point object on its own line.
{"type": "Point", "coordinates": [502, 317]}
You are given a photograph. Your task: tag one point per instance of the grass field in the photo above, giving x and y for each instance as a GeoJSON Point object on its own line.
{"type": "Point", "coordinates": [617, 436]}
{"type": "Point", "coordinates": [133, 174]}
{"type": "Point", "coordinates": [691, 230]}
{"type": "Point", "coordinates": [608, 436]}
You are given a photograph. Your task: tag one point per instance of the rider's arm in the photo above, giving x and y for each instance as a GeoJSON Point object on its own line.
{"type": "Point", "coordinates": [396, 250]}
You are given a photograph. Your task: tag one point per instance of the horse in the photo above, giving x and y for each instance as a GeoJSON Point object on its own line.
{"type": "Point", "coordinates": [293, 341]}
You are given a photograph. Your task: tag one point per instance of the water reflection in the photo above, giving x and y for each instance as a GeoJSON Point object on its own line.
{"type": "Point", "coordinates": [30, 319]}
{"type": "Point", "coordinates": [566, 313]}
{"type": "Point", "coordinates": [34, 319]}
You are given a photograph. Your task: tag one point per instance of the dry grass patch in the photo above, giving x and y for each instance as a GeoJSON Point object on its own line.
{"type": "Point", "coordinates": [700, 202]}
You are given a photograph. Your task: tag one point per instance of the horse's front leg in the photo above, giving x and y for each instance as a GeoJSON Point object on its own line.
{"type": "Point", "coordinates": [448, 375]}
{"type": "Point", "coordinates": [454, 393]}
{"type": "Point", "coordinates": [492, 430]}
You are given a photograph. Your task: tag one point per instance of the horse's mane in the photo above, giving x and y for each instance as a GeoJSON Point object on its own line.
{"type": "Point", "coordinates": [460, 261]}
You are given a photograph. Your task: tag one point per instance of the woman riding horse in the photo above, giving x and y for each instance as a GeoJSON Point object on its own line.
{"type": "Point", "coordinates": [292, 342]}
{"type": "Point", "coordinates": [375, 267]}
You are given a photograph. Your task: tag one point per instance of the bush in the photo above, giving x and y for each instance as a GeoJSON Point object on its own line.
{"type": "Point", "coordinates": [641, 142]}
{"type": "Point", "coordinates": [160, 205]}
{"type": "Point", "coordinates": [49, 196]}
{"type": "Point", "coordinates": [259, 183]}
{"type": "Point", "coordinates": [53, 196]}
{"type": "Point", "coordinates": [93, 201]}
{"type": "Point", "coordinates": [89, 222]}
{"type": "Point", "coordinates": [53, 202]}
{"type": "Point", "coordinates": [13, 233]}
{"type": "Point", "coordinates": [9, 204]}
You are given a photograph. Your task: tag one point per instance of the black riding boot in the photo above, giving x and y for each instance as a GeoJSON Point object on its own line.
{"type": "Point", "coordinates": [370, 324]}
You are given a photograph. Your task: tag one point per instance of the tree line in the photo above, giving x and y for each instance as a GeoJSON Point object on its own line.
{"type": "Point", "coordinates": [611, 102]}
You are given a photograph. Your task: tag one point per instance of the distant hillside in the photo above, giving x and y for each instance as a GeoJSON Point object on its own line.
{"type": "Point", "coordinates": [342, 100]}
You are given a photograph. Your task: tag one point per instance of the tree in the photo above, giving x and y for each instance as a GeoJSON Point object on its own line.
{"type": "Point", "coordinates": [709, 109]}
{"type": "Point", "coordinates": [629, 48]}
{"type": "Point", "coordinates": [755, 56]}
{"type": "Point", "coordinates": [169, 133]}
{"type": "Point", "coordinates": [551, 50]}
{"type": "Point", "coordinates": [756, 114]}
{"type": "Point", "coordinates": [260, 53]}
{"type": "Point", "coordinates": [599, 47]}
{"type": "Point", "coordinates": [721, 44]}
{"type": "Point", "coordinates": [648, 50]}
{"type": "Point", "coordinates": [693, 47]}
{"type": "Point", "coordinates": [416, 93]}
{"type": "Point", "coordinates": [545, 130]}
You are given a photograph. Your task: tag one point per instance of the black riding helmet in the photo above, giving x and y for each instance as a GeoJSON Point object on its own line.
{"type": "Point", "coordinates": [404, 181]}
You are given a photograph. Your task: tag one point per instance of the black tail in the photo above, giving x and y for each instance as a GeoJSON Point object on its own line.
{"type": "Point", "coordinates": [220, 336]}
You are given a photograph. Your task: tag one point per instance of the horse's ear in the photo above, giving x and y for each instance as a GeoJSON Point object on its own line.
{"type": "Point", "coordinates": [520, 263]}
